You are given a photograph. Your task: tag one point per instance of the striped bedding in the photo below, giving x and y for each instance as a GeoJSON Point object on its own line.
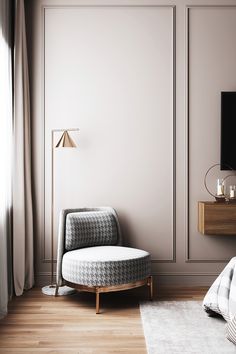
{"type": "Point", "coordinates": [221, 298]}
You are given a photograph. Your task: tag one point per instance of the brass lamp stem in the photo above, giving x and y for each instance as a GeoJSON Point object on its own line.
{"type": "Point", "coordinates": [71, 144]}
{"type": "Point", "coordinates": [52, 203]}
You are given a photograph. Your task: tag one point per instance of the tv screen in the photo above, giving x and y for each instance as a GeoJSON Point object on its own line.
{"type": "Point", "coordinates": [228, 131]}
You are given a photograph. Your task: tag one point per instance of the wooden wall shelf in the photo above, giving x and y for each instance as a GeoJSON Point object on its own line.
{"type": "Point", "coordinates": [217, 218]}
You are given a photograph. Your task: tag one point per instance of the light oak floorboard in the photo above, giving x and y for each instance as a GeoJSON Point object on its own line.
{"type": "Point", "coordinates": [38, 323]}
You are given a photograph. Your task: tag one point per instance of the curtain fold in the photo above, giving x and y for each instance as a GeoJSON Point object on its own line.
{"type": "Point", "coordinates": [23, 269]}
{"type": "Point", "coordinates": [5, 154]}
{"type": "Point", "coordinates": [16, 217]}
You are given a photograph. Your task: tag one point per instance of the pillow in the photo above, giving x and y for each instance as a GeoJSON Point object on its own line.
{"type": "Point", "coordinates": [90, 228]}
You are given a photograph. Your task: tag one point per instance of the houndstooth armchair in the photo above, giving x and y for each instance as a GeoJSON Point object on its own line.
{"type": "Point", "coordinates": [91, 256]}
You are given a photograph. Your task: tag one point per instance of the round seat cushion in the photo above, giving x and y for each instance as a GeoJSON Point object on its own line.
{"type": "Point", "coordinates": [105, 265]}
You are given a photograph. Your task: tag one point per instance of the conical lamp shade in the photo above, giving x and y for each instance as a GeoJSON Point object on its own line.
{"type": "Point", "coordinates": [66, 141]}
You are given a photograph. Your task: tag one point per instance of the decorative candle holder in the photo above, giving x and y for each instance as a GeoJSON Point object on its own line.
{"type": "Point", "coordinates": [220, 191]}
{"type": "Point", "coordinates": [232, 192]}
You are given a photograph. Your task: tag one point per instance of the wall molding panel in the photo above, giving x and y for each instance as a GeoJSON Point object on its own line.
{"type": "Point", "coordinates": [188, 9]}
{"type": "Point", "coordinates": [45, 246]}
{"type": "Point", "coordinates": [141, 80]}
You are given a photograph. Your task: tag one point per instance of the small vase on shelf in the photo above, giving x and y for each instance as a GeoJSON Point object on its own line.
{"type": "Point", "coordinates": [232, 194]}
{"type": "Point", "coordinates": [220, 192]}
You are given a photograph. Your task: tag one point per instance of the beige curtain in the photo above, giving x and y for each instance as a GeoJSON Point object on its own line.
{"type": "Point", "coordinates": [6, 11]}
{"type": "Point", "coordinates": [23, 270]}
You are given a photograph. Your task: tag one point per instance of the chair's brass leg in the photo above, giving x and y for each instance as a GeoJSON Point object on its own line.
{"type": "Point", "coordinates": [97, 301]}
{"type": "Point", "coordinates": [150, 284]}
{"type": "Point", "coordinates": [56, 290]}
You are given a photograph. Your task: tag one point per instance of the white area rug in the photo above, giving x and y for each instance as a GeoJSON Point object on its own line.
{"type": "Point", "coordinates": [182, 327]}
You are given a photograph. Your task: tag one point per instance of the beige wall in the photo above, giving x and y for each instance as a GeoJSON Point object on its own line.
{"type": "Point", "coordinates": [142, 81]}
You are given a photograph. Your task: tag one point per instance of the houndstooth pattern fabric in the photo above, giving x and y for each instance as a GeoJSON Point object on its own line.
{"type": "Point", "coordinates": [90, 228]}
{"type": "Point", "coordinates": [231, 331]}
{"type": "Point", "coordinates": [129, 265]}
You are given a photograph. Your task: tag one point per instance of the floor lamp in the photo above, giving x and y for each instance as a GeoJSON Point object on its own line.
{"type": "Point", "coordinates": [65, 141]}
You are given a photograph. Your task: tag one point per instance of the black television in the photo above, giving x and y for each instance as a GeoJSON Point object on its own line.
{"type": "Point", "coordinates": [228, 131]}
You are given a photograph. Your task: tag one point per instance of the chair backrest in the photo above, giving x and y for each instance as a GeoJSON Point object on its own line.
{"type": "Point", "coordinates": [90, 228]}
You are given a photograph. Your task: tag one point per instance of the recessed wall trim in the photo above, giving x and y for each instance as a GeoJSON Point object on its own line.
{"type": "Point", "coordinates": [188, 259]}
{"type": "Point", "coordinates": [44, 8]}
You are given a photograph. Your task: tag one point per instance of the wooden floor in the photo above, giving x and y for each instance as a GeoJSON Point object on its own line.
{"type": "Point", "coordinates": [38, 323]}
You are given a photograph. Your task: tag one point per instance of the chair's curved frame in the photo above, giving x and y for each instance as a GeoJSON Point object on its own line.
{"type": "Point", "coordinates": [93, 289]}
{"type": "Point", "coordinates": [105, 289]}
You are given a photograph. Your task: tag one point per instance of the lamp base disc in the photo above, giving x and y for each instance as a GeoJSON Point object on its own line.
{"type": "Point", "coordinates": [62, 290]}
